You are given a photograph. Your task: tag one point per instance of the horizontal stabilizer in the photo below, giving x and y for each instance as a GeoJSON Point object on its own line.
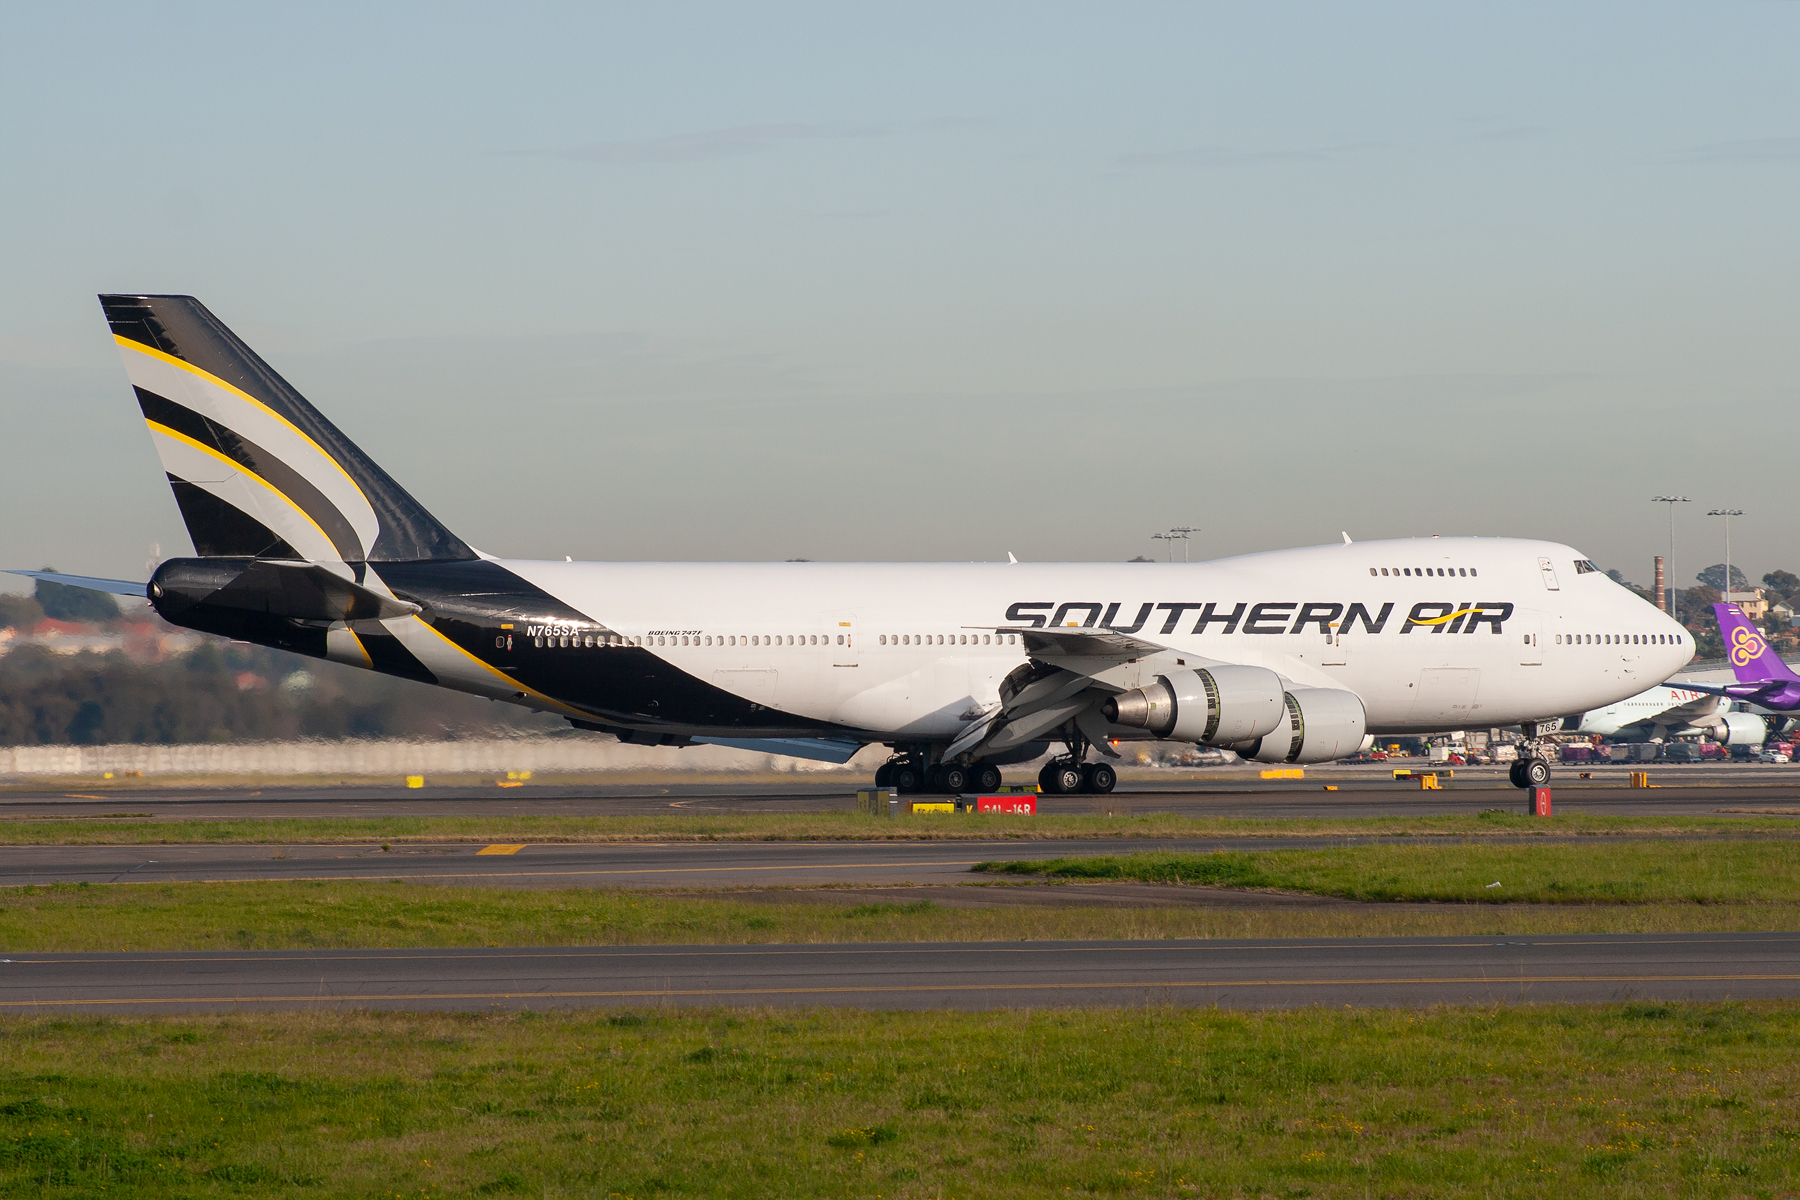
{"type": "Point", "coordinates": [118, 587]}
{"type": "Point", "coordinates": [296, 590]}
{"type": "Point", "coordinates": [1750, 693]}
{"type": "Point", "coordinates": [831, 750]}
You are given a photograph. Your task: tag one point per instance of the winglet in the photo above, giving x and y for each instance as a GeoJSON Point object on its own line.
{"type": "Point", "coordinates": [1346, 537]}
{"type": "Point", "coordinates": [1011, 559]}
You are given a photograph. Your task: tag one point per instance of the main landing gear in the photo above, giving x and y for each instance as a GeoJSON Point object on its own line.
{"type": "Point", "coordinates": [911, 770]}
{"type": "Point", "coordinates": [1066, 777]}
{"type": "Point", "coordinates": [908, 773]}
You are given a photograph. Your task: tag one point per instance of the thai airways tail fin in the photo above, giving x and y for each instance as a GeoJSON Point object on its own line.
{"type": "Point", "coordinates": [257, 471]}
{"type": "Point", "coordinates": [1751, 657]}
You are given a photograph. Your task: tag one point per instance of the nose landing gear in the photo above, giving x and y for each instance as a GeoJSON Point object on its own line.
{"type": "Point", "coordinates": [1529, 773]}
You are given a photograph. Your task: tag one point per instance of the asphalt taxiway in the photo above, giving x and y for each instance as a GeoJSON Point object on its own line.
{"type": "Point", "coordinates": [1359, 791]}
{"type": "Point", "coordinates": [1278, 973]}
{"type": "Point", "coordinates": [684, 864]}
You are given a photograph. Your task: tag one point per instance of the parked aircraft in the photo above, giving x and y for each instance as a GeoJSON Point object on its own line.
{"type": "Point", "coordinates": [302, 543]}
{"type": "Point", "coordinates": [1671, 710]}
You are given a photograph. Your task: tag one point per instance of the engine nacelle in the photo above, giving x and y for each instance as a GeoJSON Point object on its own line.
{"type": "Point", "coordinates": [1322, 724]}
{"type": "Point", "coordinates": [1742, 729]}
{"type": "Point", "coordinates": [1212, 706]}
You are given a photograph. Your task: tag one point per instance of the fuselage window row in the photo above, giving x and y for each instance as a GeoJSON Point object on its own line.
{"type": "Point", "coordinates": [606, 640]}
{"type": "Point", "coordinates": [577, 641]}
{"type": "Point", "coordinates": [956, 639]}
{"type": "Point", "coordinates": [1620, 639]}
{"type": "Point", "coordinates": [1453, 572]}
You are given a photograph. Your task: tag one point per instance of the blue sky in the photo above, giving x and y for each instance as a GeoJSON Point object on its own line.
{"type": "Point", "coordinates": [929, 282]}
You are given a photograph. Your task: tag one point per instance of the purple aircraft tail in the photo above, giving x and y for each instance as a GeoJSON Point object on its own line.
{"type": "Point", "coordinates": [1749, 652]}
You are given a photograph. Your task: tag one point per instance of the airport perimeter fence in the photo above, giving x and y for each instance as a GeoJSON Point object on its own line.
{"type": "Point", "coordinates": [371, 758]}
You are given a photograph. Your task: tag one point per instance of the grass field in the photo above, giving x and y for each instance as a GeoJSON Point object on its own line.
{"type": "Point", "coordinates": [127, 827]}
{"type": "Point", "coordinates": [373, 915]}
{"type": "Point", "coordinates": [1638, 886]}
{"type": "Point", "coordinates": [1642, 1100]}
{"type": "Point", "coordinates": [1635, 872]}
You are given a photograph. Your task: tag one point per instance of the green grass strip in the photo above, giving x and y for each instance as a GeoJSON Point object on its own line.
{"type": "Point", "coordinates": [1638, 1100]}
{"type": "Point", "coordinates": [364, 914]}
{"type": "Point", "coordinates": [836, 827]}
{"type": "Point", "coordinates": [1635, 872]}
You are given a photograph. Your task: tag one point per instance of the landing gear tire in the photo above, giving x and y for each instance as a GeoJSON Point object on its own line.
{"type": "Point", "coordinates": [1098, 778]}
{"type": "Point", "coordinates": [884, 775]}
{"type": "Point", "coordinates": [1060, 778]}
{"type": "Point", "coordinates": [951, 778]}
{"type": "Point", "coordinates": [1535, 772]}
{"type": "Point", "coordinates": [984, 777]}
{"type": "Point", "coordinates": [1512, 773]}
{"type": "Point", "coordinates": [908, 778]}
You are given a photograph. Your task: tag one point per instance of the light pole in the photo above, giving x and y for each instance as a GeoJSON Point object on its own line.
{"type": "Point", "coordinates": [1672, 501]}
{"type": "Point", "coordinates": [1727, 513]}
{"type": "Point", "coordinates": [1183, 531]}
{"type": "Point", "coordinates": [1169, 538]}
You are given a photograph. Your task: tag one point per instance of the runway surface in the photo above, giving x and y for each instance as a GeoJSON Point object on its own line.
{"type": "Point", "coordinates": [1364, 791]}
{"type": "Point", "coordinates": [1232, 974]}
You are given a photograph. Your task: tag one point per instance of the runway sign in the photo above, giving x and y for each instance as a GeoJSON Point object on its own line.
{"type": "Point", "coordinates": [1014, 804]}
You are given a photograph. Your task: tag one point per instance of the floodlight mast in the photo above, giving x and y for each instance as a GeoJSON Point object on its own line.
{"type": "Point", "coordinates": [1727, 513]}
{"type": "Point", "coordinates": [1182, 532]}
{"type": "Point", "coordinates": [1672, 501]}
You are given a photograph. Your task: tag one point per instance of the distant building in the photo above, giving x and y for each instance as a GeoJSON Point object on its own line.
{"type": "Point", "coordinates": [142, 641]}
{"type": "Point", "coordinates": [1754, 603]}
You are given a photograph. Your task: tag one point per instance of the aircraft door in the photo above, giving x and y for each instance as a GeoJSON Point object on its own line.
{"type": "Point", "coordinates": [845, 656]}
{"type": "Point", "coordinates": [1336, 652]}
{"type": "Point", "coordinates": [1528, 628]}
{"type": "Point", "coordinates": [505, 656]}
{"type": "Point", "coordinates": [1547, 569]}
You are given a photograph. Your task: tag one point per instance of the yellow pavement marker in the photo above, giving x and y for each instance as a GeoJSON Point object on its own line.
{"type": "Point", "coordinates": [500, 849]}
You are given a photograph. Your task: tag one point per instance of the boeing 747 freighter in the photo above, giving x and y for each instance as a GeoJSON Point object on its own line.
{"type": "Point", "coordinates": [302, 543]}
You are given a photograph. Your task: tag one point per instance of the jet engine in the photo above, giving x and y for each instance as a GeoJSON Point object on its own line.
{"type": "Point", "coordinates": [1741, 729]}
{"type": "Point", "coordinates": [1214, 706]}
{"type": "Point", "coordinates": [1322, 724]}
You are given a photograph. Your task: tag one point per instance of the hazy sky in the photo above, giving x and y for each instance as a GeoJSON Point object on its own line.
{"type": "Point", "coordinates": [929, 282]}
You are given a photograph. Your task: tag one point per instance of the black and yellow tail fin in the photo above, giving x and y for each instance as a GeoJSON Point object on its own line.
{"type": "Point", "coordinates": [257, 471]}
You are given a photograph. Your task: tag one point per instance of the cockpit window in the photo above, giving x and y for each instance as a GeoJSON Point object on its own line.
{"type": "Point", "coordinates": [1583, 566]}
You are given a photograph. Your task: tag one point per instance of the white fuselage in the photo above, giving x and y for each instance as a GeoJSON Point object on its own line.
{"type": "Point", "coordinates": [919, 650]}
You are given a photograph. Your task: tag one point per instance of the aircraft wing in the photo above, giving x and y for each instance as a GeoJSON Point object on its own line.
{"type": "Point", "coordinates": [1058, 685]}
{"type": "Point", "coordinates": [118, 587]}
{"type": "Point", "coordinates": [831, 750]}
{"type": "Point", "coordinates": [1083, 651]}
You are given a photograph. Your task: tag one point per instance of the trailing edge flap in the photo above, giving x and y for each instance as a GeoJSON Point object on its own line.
{"type": "Point", "coordinates": [303, 592]}
{"type": "Point", "coordinates": [831, 750]}
{"type": "Point", "coordinates": [118, 587]}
